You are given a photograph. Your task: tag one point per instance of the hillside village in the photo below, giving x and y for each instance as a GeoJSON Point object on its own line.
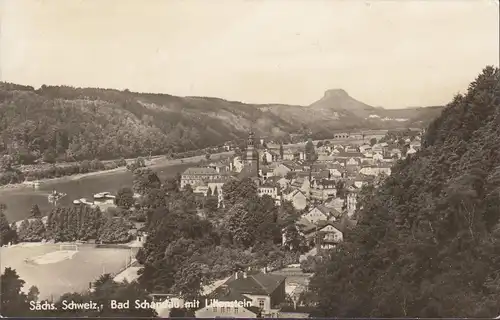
{"type": "Point", "coordinates": [321, 181]}
{"type": "Point", "coordinates": [323, 187]}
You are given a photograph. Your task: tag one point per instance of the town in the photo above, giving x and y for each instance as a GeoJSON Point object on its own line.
{"type": "Point", "coordinates": [249, 159]}
{"type": "Point", "coordinates": [322, 182]}
{"type": "Point", "coordinates": [310, 188]}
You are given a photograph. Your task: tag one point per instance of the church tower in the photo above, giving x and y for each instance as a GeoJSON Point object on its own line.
{"type": "Point", "coordinates": [252, 155]}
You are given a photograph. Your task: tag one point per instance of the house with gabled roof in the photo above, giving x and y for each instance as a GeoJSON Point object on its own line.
{"type": "Point", "coordinates": [321, 213]}
{"type": "Point", "coordinates": [282, 169]}
{"type": "Point", "coordinates": [361, 179]}
{"type": "Point", "coordinates": [320, 175]}
{"type": "Point", "coordinates": [364, 148]}
{"type": "Point", "coordinates": [324, 234]}
{"type": "Point", "coordinates": [323, 189]}
{"type": "Point", "coordinates": [377, 148]}
{"type": "Point", "coordinates": [411, 150]}
{"type": "Point", "coordinates": [227, 303]}
{"type": "Point", "coordinates": [219, 166]}
{"type": "Point", "coordinates": [315, 215]}
{"type": "Point", "coordinates": [270, 156]}
{"type": "Point", "coordinates": [265, 292]}
{"type": "Point", "coordinates": [335, 203]}
{"type": "Point", "coordinates": [297, 198]}
{"type": "Point", "coordinates": [352, 162]}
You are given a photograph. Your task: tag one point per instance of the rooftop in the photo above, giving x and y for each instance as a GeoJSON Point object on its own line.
{"type": "Point", "coordinates": [200, 171]}
{"type": "Point", "coordinates": [349, 155]}
{"type": "Point", "coordinates": [258, 284]}
{"type": "Point", "coordinates": [322, 224]}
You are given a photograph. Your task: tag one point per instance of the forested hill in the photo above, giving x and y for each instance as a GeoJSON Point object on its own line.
{"type": "Point", "coordinates": [66, 123]}
{"type": "Point", "coordinates": [85, 123]}
{"type": "Point", "coordinates": [428, 240]}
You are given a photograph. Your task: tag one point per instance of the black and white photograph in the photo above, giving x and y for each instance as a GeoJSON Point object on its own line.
{"type": "Point", "coordinates": [250, 158]}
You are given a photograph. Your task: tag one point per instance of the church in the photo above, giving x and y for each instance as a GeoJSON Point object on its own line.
{"type": "Point", "coordinates": [250, 159]}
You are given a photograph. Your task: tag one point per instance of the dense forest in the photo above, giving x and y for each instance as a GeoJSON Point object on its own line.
{"type": "Point", "coordinates": [183, 250]}
{"type": "Point", "coordinates": [67, 224]}
{"type": "Point", "coordinates": [73, 124]}
{"type": "Point", "coordinates": [428, 240]}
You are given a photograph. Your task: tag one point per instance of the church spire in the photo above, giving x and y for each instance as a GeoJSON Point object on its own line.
{"type": "Point", "coordinates": [251, 139]}
{"type": "Point", "coordinates": [252, 155]}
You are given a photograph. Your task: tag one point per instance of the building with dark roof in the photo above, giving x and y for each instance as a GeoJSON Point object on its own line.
{"type": "Point", "coordinates": [261, 294]}
{"type": "Point", "coordinates": [198, 176]}
{"type": "Point", "coordinates": [324, 234]}
{"type": "Point", "coordinates": [228, 303]}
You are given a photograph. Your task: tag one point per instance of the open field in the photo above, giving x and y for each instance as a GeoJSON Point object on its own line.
{"type": "Point", "coordinates": [56, 272]}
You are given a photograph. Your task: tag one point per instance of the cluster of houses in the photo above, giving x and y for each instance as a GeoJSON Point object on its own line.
{"type": "Point", "coordinates": [245, 294]}
{"type": "Point", "coordinates": [324, 191]}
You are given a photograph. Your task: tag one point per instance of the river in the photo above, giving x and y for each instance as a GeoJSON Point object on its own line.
{"type": "Point", "coordinates": [20, 200]}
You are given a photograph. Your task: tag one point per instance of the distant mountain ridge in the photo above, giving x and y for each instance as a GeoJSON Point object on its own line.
{"type": "Point", "coordinates": [340, 100]}
{"type": "Point", "coordinates": [338, 110]}
{"type": "Point", "coordinates": [85, 123]}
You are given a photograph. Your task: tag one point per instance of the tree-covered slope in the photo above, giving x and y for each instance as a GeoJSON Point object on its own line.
{"type": "Point", "coordinates": [75, 124]}
{"type": "Point", "coordinates": [86, 123]}
{"type": "Point", "coordinates": [428, 241]}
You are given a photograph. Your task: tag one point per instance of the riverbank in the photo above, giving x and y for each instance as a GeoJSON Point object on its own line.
{"type": "Point", "coordinates": [158, 161]}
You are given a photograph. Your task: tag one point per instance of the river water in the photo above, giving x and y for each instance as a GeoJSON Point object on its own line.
{"type": "Point", "coordinates": [20, 200]}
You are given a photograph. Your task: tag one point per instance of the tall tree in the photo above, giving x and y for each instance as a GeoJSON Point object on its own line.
{"type": "Point", "coordinates": [293, 240]}
{"type": "Point", "coordinates": [125, 198]}
{"type": "Point", "coordinates": [211, 204]}
{"type": "Point", "coordinates": [14, 301]}
{"type": "Point", "coordinates": [145, 179]}
{"type": "Point", "coordinates": [7, 234]}
{"type": "Point", "coordinates": [23, 231]}
{"type": "Point", "coordinates": [115, 230]}
{"type": "Point", "coordinates": [35, 231]}
{"type": "Point", "coordinates": [234, 190]}
{"type": "Point", "coordinates": [35, 211]}
{"type": "Point", "coordinates": [33, 293]}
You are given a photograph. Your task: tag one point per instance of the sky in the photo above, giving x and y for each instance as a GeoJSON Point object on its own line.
{"type": "Point", "coordinates": [385, 53]}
